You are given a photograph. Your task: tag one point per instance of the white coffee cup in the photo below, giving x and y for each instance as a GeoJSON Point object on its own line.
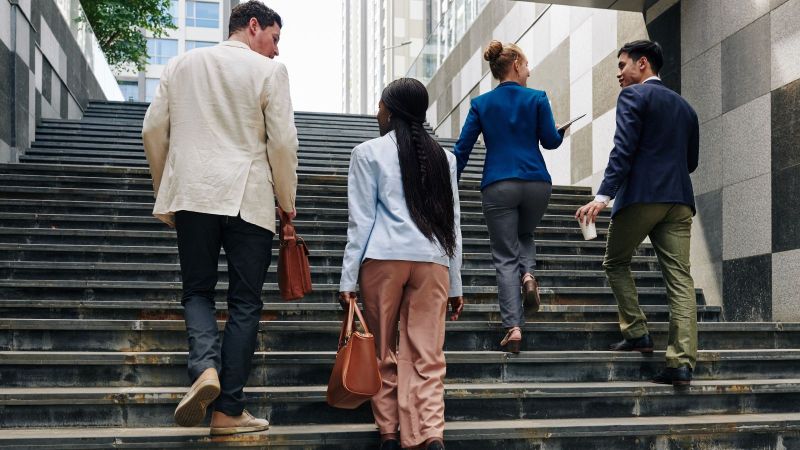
{"type": "Point", "coordinates": [588, 228]}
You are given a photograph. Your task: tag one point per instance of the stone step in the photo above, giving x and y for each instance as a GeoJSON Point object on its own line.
{"type": "Point", "coordinates": [561, 242]}
{"type": "Point", "coordinates": [153, 369]}
{"type": "Point", "coordinates": [56, 308]}
{"type": "Point", "coordinates": [88, 335]}
{"type": "Point", "coordinates": [11, 203]}
{"type": "Point", "coordinates": [466, 182]}
{"type": "Point", "coordinates": [154, 407]}
{"type": "Point", "coordinates": [93, 254]}
{"type": "Point", "coordinates": [38, 289]}
{"type": "Point", "coordinates": [734, 431]}
{"type": "Point", "coordinates": [105, 271]}
{"type": "Point", "coordinates": [309, 196]}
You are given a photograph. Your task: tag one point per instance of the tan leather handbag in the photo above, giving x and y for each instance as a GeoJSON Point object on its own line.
{"type": "Point", "coordinates": [355, 377]}
{"type": "Point", "coordinates": [294, 273]}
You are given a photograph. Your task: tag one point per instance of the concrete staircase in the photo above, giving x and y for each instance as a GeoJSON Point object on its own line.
{"type": "Point", "coordinates": [92, 342]}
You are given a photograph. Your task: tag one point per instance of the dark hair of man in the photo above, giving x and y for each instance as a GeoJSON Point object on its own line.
{"type": "Point", "coordinates": [243, 12]}
{"type": "Point", "coordinates": [649, 49]}
{"type": "Point", "coordinates": [423, 164]}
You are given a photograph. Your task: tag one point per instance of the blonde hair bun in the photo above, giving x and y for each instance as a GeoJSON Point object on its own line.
{"type": "Point", "coordinates": [493, 51]}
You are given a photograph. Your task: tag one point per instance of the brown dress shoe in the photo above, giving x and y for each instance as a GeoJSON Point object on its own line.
{"type": "Point", "coordinates": [192, 409]}
{"type": "Point", "coordinates": [530, 294]}
{"type": "Point", "coordinates": [222, 424]}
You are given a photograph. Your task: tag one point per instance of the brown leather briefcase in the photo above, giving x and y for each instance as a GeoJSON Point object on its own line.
{"type": "Point", "coordinates": [294, 273]}
{"type": "Point", "coordinates": [355, 377]}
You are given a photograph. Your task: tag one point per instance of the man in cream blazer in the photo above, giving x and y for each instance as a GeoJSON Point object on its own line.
{"type": "Point", "coordinates": [221, 143]}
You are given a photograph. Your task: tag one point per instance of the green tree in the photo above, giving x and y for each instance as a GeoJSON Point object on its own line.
{"type": "Point", "coordinates": [120, 25]}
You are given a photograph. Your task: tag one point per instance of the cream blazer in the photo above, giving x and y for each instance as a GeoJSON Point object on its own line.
{"type": "Point", "coordinates": [220, 138]}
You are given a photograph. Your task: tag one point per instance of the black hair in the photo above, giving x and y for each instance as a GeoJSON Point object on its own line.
{"type": "Point", "coordinates": [243, 12]}
{"type": "Point", "coordinates": [649, 49]}
{"type": "Point", "coordinates": [423, 163]}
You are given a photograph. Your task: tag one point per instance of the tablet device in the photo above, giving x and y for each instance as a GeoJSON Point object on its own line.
{"type": "Point", "coordinates": [564, 127]}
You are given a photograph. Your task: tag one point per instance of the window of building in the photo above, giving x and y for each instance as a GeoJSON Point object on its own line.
{"type": "Point", "coordinates": [130, 90]}
{"type": "Point", "coordinates": [202, 14]}
{"type": "Point", "coordinates": [173, 11]}
{"type": "Point", "coordinates": [191, 45]}
{"type": "Point", "coordinates": [159, 51]}
{"type": "Point", "coordinates": [150, 88]}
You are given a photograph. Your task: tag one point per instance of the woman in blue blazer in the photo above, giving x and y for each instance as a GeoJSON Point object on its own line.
{"type": "Point", "coordinates": [516, 186]}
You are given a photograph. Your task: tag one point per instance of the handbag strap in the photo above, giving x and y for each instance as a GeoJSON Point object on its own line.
{"type": "Point", "coordinates": [347, 323]}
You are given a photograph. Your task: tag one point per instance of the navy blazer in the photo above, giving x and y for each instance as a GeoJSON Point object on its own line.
{"type": "Point", "coordinates": [656, 147]}
{"type": "Point", "coordinates": [514, 120]}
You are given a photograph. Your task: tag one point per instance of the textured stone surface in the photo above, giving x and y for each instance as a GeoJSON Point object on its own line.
{"type": "Point", "coordinates": [558, 162]}
{"type": "Point", "coordinates": [630, 27]}
{"type": "Point", "coordinates": [746, 141]}
{"type": "Point", "coordinates": [785, 294]}
{"type": "Point", "coordinates": [736, 15]}
{"type": "Point", "coordinates": [553, 77]}
{"type": "Point", "coordinates": [665, 29]}
{"type": "Point", "coordinates": [581, 101]}
{"type": "Point", "coordinates": [708, 277]}
{"type": "Point", "coordinates": [707, 227]}
{"type": "Point", "coordinates": [605, 87]}
{"type": "Point", "coordinates": [786, 126]}
{"type": "Point", "coordinates": [604, 34]}
{"type": "Point", "coordinates": [708, 175]}
{"type": "Point", "coordinates": [603, 129]}
{"type": "Point", "coordinates": [580, 51]}
{"type": "Point", "coordinates": [785, 213]}
{"type": "Point", "coordinates": [746, 218]}
{"type": "Point", "coordinates": [701, 84]}
{"type": "Point", "coordinates": [701, 28]}
{"type": "Point", "coordinates": [746, 64]}
{"type": "Point", "coordinates": [581, 154]}
{"type": "Point", "coordinates": [785, 36]}
{"type": "Point", "coordinates": [747, 288]}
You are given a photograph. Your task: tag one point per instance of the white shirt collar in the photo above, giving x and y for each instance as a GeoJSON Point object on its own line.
{"type": "Point", "coordinates": [654, 77]}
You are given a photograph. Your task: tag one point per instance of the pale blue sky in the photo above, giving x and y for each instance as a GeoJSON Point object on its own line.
{"type": "Point", "coordinates": [311, 49]}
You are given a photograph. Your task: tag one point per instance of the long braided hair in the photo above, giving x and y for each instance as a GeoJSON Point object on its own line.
{"type": "Point", "coordinates": [423, 163]}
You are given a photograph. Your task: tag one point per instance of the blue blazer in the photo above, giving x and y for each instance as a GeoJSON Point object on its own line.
{"type": "Point", "coordinates": [514, 120]}
{"type": "Point", "coordinates": [656, 147]}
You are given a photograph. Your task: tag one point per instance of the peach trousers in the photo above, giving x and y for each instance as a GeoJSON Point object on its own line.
{"type": "Point", "coordinates": [411, 399]}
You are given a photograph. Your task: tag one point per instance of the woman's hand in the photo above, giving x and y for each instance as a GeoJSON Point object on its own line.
{"type": "Point", "coordinates": [456, 306]}
{"type": "Point", "coordinates": [344, 298]}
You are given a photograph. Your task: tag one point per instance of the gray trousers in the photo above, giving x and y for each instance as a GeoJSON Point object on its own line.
{"type": "Point", "coordinates": [513, 210]}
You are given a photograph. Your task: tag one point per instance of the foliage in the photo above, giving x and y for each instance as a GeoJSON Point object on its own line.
{"type": "Point", "coordinates": [120, 26]}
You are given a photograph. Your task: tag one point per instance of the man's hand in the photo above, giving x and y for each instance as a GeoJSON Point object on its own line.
{"type": "Point", "coordinates": [590, 210]}
{"type": "Point", "coordinates": [291, 215]}
{"type": "Point", "coordinates": [344, 298]}
{"type": "Point", "coordinates": [456, 306]}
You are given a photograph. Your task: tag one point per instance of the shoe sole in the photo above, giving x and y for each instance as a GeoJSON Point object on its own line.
{"type": "Point", "coordinates": [641, 350]}
{"type": "Point", "coordinates": [513, 346]}
{"type": "Point", "coordinates": [193, 411]}
{"type": "Point", "coordinates": [236, 430]}
{"type": "Point", "coordinates": [532, 301]}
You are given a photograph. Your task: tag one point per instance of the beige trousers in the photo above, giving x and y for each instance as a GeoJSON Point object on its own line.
{"type": "Point", "coordinates": [411, 399]}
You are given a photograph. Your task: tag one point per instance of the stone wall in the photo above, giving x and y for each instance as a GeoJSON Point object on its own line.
{"type": "Point", "coordinates": [48, 69]}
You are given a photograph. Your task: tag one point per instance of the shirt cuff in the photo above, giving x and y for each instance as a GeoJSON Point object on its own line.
{"type": "Point", "coordinates": [602, 198]}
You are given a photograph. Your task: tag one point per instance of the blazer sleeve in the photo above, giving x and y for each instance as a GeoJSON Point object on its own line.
{"type": "Point", "coordinates": [456, 289]}
{"type": "Point", "coordinates": [282, 141]}
{"type": "Point", "coordinates": [362, 205]}
{"type": "Point", "coordinates": [626, 141]}
{"type": "Point", "coordinates": [693, 155]}
{"type": "Point", "coordinates": [155, 130]}
{"type": "Point", "coordinates": [548, 134]}
{"type": "Point", "coordinates": [466, 141]}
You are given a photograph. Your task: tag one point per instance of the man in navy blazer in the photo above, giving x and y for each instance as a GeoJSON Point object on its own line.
{"type": "Point", "coordinates": [656, 147]}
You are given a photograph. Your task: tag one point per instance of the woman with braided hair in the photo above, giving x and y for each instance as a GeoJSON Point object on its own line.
{"type": "Point", "coordinates": [404, 250]}
{"type": "Point", "coordinates": [516, 186]}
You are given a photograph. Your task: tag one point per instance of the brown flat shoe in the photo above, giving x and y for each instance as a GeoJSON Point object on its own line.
{"type": "Point", "coordinates": [222, 424]}
{"type": "Point", "coordinates": [530, 294]}
{"type": "Point", "coordinates": [192, 408]}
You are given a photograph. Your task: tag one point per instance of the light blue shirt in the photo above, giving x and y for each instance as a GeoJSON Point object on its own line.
{"type": "Point", "coordinates": [380, 225]}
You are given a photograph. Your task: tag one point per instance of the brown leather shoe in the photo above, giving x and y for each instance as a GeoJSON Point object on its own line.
{"type": "Point", "coordinates": [192, 409]}
{"type": "Point", "coordinates": [530, 294]}
{"type": "Point", "coordinates": [512, 340]}
{"type": "Point", "coordinates": [222, 424]}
